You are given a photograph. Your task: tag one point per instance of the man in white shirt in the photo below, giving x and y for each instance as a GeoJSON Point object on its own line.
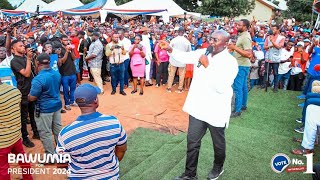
{"type": "Point", "coordinates": [183, 44]}
{"type": "Point", "coordinates": [5, 51]}
{"type": "Point", "coordinates": [212, 82]}
{"type": "Point", "coordinates": [284, 67]}
{"type": "Point", "coordinates": [126, 44]}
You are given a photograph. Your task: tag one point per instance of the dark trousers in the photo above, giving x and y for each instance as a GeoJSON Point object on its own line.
{"type": "Point", "coordinates": [126, 72]}
{"type": "Point", "coordinates": [316, 169]}
{"type": "Point", "coordinates": [117, 74]}
{"type": "Point", "coordinates": [81, 66]}
{"type": "Point", "coordinates": [197, 129]}
{"type": "Point", "coordinates": [311, 98]}
{"type": "Point", "coordinates": [296, 82]}
{"type": "Point", "coordinates": [274, 67]}
{"type": "Point", "coordinates": [162, 71]}
{"type": "Point", "coordinates": [27, 109]}
{"type": "Point", "coordinates": [104, 69]}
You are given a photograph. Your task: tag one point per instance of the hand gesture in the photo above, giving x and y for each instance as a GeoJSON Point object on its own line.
{"type": "Point", "coordinates": [29, 53]}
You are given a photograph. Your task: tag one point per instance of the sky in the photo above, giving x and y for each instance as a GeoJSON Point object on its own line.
{"type": "Point", "coordinates": [15, 2]}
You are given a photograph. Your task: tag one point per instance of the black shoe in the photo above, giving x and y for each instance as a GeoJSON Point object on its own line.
{"type": "Point", "coordinates": [134, 91]}
{"type": "Point", "coordinates": [244, 108]}
{"type": "Point", "coordinates": [36, 136]}
{"type": "Point", "coordinates": [123, 93]}
{"type": "Point", "coordinates": [235, 114]}
{"type": "Point", "coordinates": [215, 173]}
{"type": "Point", "coordinates": [63, 111]}
{"type": "Point", "coordinates": [113, 92]}
{"type": "Point", "coordinates": [184, 177]}
{"type": "Point", "coordinates": [141, 93]}
{"type": "Point", "coordinates": [28, 143]}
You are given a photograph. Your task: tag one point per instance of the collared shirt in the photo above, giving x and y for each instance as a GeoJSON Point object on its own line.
{"type": "Point", "coordinates": [116, 56]}
{"type": "Point", "coordinates": [46, 87]}
{"type": "Point", "coordinates": [244, 42]}
{"type": "Point", "coordinates": [210, 93]}
{"type": "Point", "coordinates": [126, 43]}
{"type": "Point", "coordinates": [96, 48]}
{"type": "Point", "coordinates": [182, 44]}
{"type": "Point", "coordinates": [10, 117]}
{"type": "Point", "coordinates": [91, 142]}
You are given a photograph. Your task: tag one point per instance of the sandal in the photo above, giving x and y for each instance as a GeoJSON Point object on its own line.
{"type": "Point", "coordinates": [141, 93]}
{"type": "Point", "coordinates": [134, 91]}
{"type": "Point", "coordinates": [302, 151]}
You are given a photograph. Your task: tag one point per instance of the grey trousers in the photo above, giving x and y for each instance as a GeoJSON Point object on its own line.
{"type": "Point", "coordinates": [46, 124]}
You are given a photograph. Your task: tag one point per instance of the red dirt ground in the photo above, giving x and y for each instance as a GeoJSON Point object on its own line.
{"type": "Point", "coordinates": [156, 109]}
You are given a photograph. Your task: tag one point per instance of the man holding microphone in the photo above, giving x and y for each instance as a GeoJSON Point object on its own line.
{"type": "Point", "coordinates": [212, 82]}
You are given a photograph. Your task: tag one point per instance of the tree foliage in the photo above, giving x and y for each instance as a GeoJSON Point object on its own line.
{"type": "Point", "coordinates": [4, 4]}
{"type": "Point", "coordinates": [232, 8]}
{"type": "Point", "coordinates": [300, 10]}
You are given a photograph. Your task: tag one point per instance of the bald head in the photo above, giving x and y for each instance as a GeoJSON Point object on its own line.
{"type": "Point", "coordinates": [219, 40]}
{"type": "Point", "coordinates": [224, 35]}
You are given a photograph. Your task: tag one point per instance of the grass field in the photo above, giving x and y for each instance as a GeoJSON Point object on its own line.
{"type": "Point", "coordinates": [252, 140]}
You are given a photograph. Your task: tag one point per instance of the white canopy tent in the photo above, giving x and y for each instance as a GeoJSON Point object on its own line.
{"type": "Point", "coordinates": [31, 5]}
{"type": "Point", "coordinates": [58, 5]}
{"type": "Point", "coordinates": [110, 4]}
{"type": "Point", "coordinates": [172, 8]}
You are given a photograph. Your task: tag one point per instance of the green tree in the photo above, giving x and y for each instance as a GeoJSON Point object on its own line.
{"type": "Point", "coordinates": [300, 10]}
{"type": "Point", "coordinates": [226, 7]}
{"type": "Point", "coordinates": [86, 1]}
{"type": "Point", "coordinates": [120, 2]}
{"type": "Point", "coordinates": [190, 5]}
{"type": "Point", "coordinates": [4, 4]}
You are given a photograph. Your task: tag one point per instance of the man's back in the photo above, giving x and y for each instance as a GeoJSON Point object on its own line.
{"type": "Point", "coordinates": [181, 43]}
{"type": "Point", "coordinates": [46, 87]}
{"type": "Point", "coordinates": [91, 142]}
{"type": "Point", "coordinates": [10, 123]}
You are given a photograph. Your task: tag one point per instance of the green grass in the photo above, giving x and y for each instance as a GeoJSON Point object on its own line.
{"type": "Point", "coordinates": [252, 140]}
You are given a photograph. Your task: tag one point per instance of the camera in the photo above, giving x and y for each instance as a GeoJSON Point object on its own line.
{"type": "Point", "coordinates": [117, 47]}
{"type": "Point", "coordinates": [29, 46]}
{"type": "Point", "coordinates": [270, 32]}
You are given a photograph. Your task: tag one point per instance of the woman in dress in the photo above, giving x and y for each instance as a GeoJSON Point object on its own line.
{"type": "Point", "coordinates": [137, 55]}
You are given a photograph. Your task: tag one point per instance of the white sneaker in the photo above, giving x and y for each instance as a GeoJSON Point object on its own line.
{"type": "Point", "coordinates": [169, 90]}
{"type": "Point", "coordinates": [179, 91]}
{"type": "Point", "coordinates": [157, 85]}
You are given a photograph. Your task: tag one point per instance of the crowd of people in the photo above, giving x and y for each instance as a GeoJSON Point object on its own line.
{"type": "Point", "coordinates": [49, 52]}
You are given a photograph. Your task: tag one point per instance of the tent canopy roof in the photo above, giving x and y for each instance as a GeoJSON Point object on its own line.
{"type": "Point", "coordinates": [31, 5]}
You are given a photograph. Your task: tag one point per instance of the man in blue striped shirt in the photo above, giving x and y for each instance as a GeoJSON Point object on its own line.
{"type": "Point", "coordinates": [95, 142]}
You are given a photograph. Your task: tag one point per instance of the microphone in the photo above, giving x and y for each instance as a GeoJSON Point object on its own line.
{"type": "Point", "coordinates": [208, 51]}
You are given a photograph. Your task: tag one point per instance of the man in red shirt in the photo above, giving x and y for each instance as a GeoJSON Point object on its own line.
{"type": "Point", "coordinates": [75, 41]}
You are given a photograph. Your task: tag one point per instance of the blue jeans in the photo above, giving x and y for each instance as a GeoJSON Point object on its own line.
{"type": "Point", "coordinates": [309, 81]}
{"type": "Point", "coordinates": [285, 78]}
{"type": "Point", "coordinates": [117, 74]}
{"type": "Point", "coordinates": [126, 72]}
{"type": "Point", "coordinates": [253, 82]}
{"type": "Point", "coordinates": [76, 63]}
{"type": "Point", "coordinates": [240, 87]}
{"type": "Point", "coordinates": [69, 86]}
{"type": "Point", "coordinates": [311, 98]}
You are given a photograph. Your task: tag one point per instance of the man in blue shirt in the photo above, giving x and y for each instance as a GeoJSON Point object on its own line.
{"type": "Point", "coordinates": [45, 91]}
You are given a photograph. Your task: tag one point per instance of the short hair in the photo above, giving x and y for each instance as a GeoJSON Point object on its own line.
{"type": "Point", "coordinates": [246, 23]}
{"type": "Point", "coordinates": [15, 42]}
{"type": "Point", "coordinates": [63, 36]}
{"type": "Point", "coordinates": [46, 43]}
{"type": "Point", "coordinates": [82, 33]}
{"type": "Point", "coordinates": [276, 25]}
{"type": "Point", "coordinates": [138, 35]}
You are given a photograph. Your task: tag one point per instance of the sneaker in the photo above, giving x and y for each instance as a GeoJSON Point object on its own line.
{"type": "Point", "coordinates": [63, 111]}
{"type": "Point", "coordinates": [123, 93]}
{"type": "Point", "coordinates": [74, 104]}
{"type": "Point", "coordinates": [67, 107]}
{"type": "Point", "coordinates": [215, 173]}
{"type": "Point", "coordinates": [301, 105]}
{"type": "Point", "coordinates": [302, 96]}
{"type": "Point", "coordinates": [157, 85]}
{"type": "Point", "coordinates": [36, 136]}
{"type": "Point", "coordinates": [235, 114]}
{"type": "Point", "coordinates": [299, 120]}
{"type": "Point", "coordinates": [299, 130]}
{"type": "Point", "coordinates": [113, 92]}
{"type": "Point", "coordinates": [184, 177]}
{"type": "Point", "coordinates": [28, 143]}
{"type": "Point", "coordinates": [169, 90]}
{"type": "Point", "coordinates": [179, 91]}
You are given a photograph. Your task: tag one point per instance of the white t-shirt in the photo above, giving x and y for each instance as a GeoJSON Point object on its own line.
{"type": "Point", "coordinates": [259, 54]}
{"type": "Point", "coordinates": [284, 67]}
{"type": "Point", "coordinates": [6, 62]}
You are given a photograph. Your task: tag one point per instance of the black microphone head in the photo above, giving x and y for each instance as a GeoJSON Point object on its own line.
{"type": "Point", "coordinates": [210, 49]}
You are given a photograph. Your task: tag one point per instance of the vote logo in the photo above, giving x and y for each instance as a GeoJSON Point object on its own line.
{"type": "Point", "coordinates": [279, 162]}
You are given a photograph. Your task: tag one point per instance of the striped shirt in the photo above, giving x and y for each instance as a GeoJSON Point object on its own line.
{"type": "Point", "coordinates": [91, 142]}
{"type": "Point", "coordinates": [10, 118]}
